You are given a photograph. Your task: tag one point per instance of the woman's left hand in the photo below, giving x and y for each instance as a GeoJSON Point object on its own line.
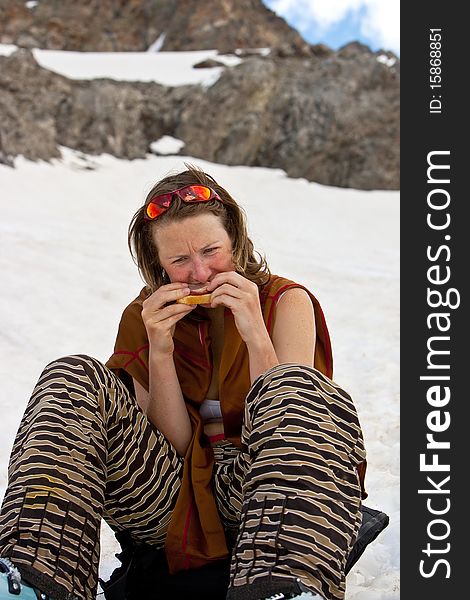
{"type": "Point", "coordinates": [241, 296]}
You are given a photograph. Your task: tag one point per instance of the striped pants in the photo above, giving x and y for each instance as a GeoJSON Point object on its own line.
{"type": "Point", "coordinates": [85, 451]}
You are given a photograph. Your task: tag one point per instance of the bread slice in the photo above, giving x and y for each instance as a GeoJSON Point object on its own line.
{"type": "Point", "coordinates": [196, 299]}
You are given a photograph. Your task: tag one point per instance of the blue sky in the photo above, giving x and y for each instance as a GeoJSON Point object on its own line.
{"type": "Point", "coordinates": [337, 22]}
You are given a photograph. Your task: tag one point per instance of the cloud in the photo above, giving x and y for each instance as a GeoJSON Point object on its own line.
{"type": "Point", "coordinates": [381, 23]}
{"type": "Point", "coordinates": [379, 20]}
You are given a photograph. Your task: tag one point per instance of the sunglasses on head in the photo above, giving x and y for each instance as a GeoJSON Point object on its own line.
{"type": "Point", "coordinates": [190, 193]}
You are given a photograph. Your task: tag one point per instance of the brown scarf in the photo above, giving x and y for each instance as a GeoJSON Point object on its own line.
{"type": "Point", "coordinates": [195, 535]}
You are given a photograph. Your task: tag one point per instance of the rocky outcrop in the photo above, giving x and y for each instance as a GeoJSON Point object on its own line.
{"type": "Point", "coordinates": [88, 25]}
{"type": "Point", "coordinates": [29, 100]}
{"type": "Point", "coordinates": [333, 118]}
{"type": "Point", "coordinates": [134, 25]}
{"type": "Point", "coordinates": [41, 110]}
{"type": "Point", "coordinates": [334, 121]}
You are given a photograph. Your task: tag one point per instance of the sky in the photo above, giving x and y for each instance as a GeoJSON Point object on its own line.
{"type": "Point", "coordinates": [375, 23]}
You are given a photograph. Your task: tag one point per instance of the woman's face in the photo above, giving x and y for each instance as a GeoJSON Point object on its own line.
{"type": "Point", "coordinates": [194, 249]}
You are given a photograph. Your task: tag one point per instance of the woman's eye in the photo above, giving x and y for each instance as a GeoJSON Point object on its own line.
{"type": "Point", "coordinates": [179, 261]}
{"type": "Point", "coordinates": [209, 250]}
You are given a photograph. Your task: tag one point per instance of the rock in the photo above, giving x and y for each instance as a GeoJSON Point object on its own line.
{"type": "Point", "coordinates": [88, 25]}
{"type": "Point", "coordinates": [329, 121]}
{"type": "Point", "coordinates": [209, 63]}
{"type": "Point", "coordinates": [353, 50]}
{"type": "Point", "coordinates": [5, 159]}
{"type": "Point", "coordinates": [331, 117]}
{"type": "Point", "coordinates": [321, 50]}
{"type": "Point", "coordinates": [288, 50]}
{"type": "Point", "coordinates": [41, 110]}
{"type": "Point", "coordinates": [134, 25]}
{"type": "Point", "coordinates": [333, 120]}
{"type": "Point", "coordinates": [28, 105]}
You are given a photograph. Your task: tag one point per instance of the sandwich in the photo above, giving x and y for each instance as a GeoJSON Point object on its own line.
{"type": "Point", "coordinates": [197, 296]}
{"type": "Point", "coordinates": [195, 299]}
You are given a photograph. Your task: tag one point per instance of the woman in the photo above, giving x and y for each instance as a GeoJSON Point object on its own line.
{"type": "Point", "coordinates": [213, 428]}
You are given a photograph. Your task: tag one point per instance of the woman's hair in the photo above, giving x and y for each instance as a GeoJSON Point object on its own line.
{"type": "Point", "coordinates": [141, 241]}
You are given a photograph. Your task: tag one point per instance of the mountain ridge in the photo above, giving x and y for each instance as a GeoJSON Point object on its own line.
{"type": "Point", "coordinates": [329, 116]}
{"type": "Point", "coordinates": [134, 25]}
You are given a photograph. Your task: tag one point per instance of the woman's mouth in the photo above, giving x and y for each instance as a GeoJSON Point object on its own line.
{"type": "Point", "coordinates": [197, 288]}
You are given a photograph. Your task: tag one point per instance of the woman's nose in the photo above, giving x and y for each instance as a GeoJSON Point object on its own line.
{"type": "Point", "coordinates": [201, 271]}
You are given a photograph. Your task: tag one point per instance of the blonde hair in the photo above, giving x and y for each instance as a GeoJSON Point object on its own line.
{"type": "Point", "coordinates": [142, 246]}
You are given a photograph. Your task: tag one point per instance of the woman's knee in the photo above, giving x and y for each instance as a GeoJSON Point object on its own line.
{"type": "Point", "coordinates": [75, 367]}
{"type": "Point", "coordinates": [70, 381]}
{"type": "Point", "coordinates": [290, 372]}
{"type": "Point", "coordinates": [286, 380]}
{"type": "Point", "coordinates": [73, 361]}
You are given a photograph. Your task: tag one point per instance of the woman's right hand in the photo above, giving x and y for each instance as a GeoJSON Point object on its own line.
{"type": "Point", "coordinates": [160, 315]}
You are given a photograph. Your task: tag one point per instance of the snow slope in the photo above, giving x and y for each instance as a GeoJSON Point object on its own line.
{"type": "Point", "coordinates": [66, 275]}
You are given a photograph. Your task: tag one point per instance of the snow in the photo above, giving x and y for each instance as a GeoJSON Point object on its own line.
{"type": "Point", "coordinates": [7, 49]}
{"type": "Point", "coordinates": [166, 68]}
{"type": "Point", "coordinates": [167, 145]}
{"type": "Point", "coordinates": [260, 51]}
{"type": "Point", "coordinates": [389, 61]}
{"type": "Point", "coordinates": [157, 45]}
{"type": "Point", "coordinates": [66, 276]}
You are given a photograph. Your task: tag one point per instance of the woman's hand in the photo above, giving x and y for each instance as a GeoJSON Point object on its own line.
{"type": "Point", "coordinates": [241, 296]}
{"type": "Point", "coordinates": [160, 315]}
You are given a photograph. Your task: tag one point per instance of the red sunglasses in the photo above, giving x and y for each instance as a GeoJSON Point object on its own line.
{"type": "Point", "coordinates": [190, 193]}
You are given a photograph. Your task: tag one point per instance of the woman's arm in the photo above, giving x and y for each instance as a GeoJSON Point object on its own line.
{"type": "Point", "coordinates": [164, 403]}
{"type": "Point", "coordinates": [293, 336]}
{"type": "Point", "coordinates": [294, 332]}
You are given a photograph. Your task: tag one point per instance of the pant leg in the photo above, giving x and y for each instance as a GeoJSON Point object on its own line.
{"type": "Point", "coordinates": [83, 450]}
{"type": "Point", "coordinates": [296, 478]}
{"type": "Point", "coordinates": [228, 478]}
